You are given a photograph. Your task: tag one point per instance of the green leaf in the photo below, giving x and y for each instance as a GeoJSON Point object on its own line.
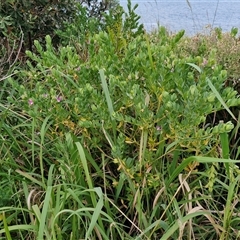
{"type": "Point", "coordinates": [199, 159]}
{"type": "Point", "coordinates": [220, 98]}
{"type": "Point", "coordinates": [195, 66]}
{"type": "Point", "coordinates": [176, 226]}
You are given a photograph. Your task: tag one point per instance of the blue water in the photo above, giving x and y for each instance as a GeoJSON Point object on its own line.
{"type": "Point", "coordinates": [177, 15]}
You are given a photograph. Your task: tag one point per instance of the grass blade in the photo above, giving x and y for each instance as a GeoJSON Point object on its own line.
{"type": "Point", "coordinates": [199, 159]}
{"type": "Point", "coordinates": [26, 175]}
{"type": "Point", "coordinates": [88, 176]}
{"type": "Point", "coordinates": [174, 228]}
{"type": "Point", "coordinates": [106, 92]}
{"type": "Point", "coordinates": [96, 213]}
{"type": "Point", "coordinates": [109, 101]}
{"type": "Point", "coordinates": [8, 235]}
{"type": "Point", "coordinates": [42, 224]}
{"type": "Point", "coordinates": [228, 208]}
{"type": "Point", "coordinates": [220, 98]}
{"type": "Point", "coordinates": [24, 227]}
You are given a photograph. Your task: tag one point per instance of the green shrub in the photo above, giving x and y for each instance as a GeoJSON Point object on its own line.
{"type": "Point", "coordinates": [150, 88]}
{"type": "Point", "coordinates": [38, 18]}
{"type": "Point", "coordinates": [35, 19]}
{"type": "Point", "coordinates": [226, 48]}
{"type": "Point", "coordinates": [110, 135]}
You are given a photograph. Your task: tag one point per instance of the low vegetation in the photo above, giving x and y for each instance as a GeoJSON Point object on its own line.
{"type": "Point", "coordinates": [115, 133]}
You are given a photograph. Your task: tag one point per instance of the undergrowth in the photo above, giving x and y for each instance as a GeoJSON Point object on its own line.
{"type": "Point", "coordinates": [117, 135]}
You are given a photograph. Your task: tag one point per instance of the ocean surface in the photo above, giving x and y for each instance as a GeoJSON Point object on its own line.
{"type": "Point", "coordinates": [177, 15]}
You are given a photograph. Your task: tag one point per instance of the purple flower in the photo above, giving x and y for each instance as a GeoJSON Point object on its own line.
{"type": "Point", "coordinates": [59, 98]}
{"type": "Point", "coordinates": [158, 128]}
{"type": "Point", "coordinates": [30, 102]}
